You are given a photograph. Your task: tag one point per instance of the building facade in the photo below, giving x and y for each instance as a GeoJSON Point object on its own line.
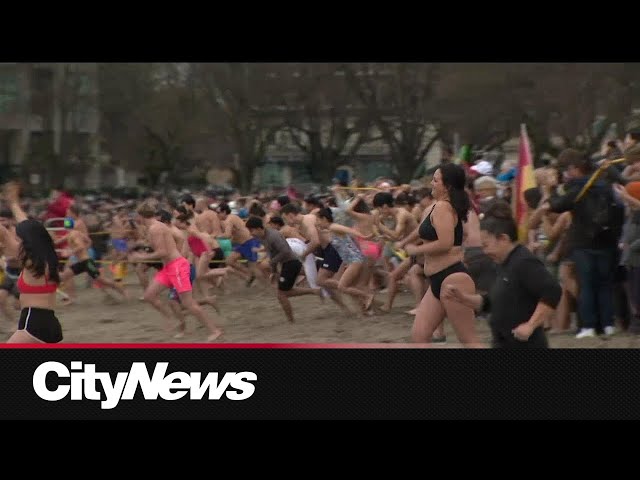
{"type": "Point", "coordinates": [48, 111]}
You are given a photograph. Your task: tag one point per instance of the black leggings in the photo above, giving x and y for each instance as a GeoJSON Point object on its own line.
{"type": "Point", "coordinates": [437, 278]}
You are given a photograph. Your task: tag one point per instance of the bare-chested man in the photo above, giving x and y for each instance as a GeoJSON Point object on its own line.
{"type": "Point", "coordinates": [176, 272]}
{"type": "Point", "coordinates": [142, 245]}
{"type": "Point", "coordinates": [405, 224]}
{"type": "Point", "coordinates": [120, 231]}
{"type": "Point", "coordinates": [205, 219]}
{"type": "Point", "coordinates": [306, 225]}
{"type": "Point", "coordinates": [73, 212]}
{"type": "Point", "coordinates": [245, 246]}
{"type": "Point", "coordinates": [79, 244]}
{"type": "Point", "coordinates": [75, 222]}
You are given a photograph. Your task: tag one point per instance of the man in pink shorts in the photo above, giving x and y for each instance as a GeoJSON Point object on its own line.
{"type": "Point", "coordinates": [175, 273]}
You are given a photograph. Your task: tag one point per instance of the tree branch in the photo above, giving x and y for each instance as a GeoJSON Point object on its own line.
{"type": "Point", "coordinates": [298, 140]}
{"type": "Point", "coordinates": [428, 147]}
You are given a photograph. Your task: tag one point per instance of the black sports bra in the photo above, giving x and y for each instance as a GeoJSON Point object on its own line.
{"type": "Point", "coordinates": [428, 232]}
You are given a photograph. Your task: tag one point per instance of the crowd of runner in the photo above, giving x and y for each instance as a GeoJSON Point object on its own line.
{"type": "Point", "coordinates": [451, 242]}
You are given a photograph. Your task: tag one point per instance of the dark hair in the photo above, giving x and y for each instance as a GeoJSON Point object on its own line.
{"type": "Point", "coordinates": [173, 203]}
{"type": "Point", "coordinates": [4, 213]}
{"type": "Point", "coordinates": [37, 248]}
{"type": "Point", "coordinates": [634, 134]}
{"type": "Point", "coordinates": [498, 220]}
{"type": "Point", "coordinates": [361, 207]}
{"type": "Point", "coordinates": [283, 200]}
{"type": "Point", "coordinates": [182, 210]}
{"type": "Point", "coordinates": [256, 210]}
{"type": "Point", "coordinates": [189, 200]}
{"type": "Point", "coordinates": [185, 216]}
{"type": "Point", "coordinates": [383, 198]}
{"type": "Point", "coordinates": [532, 196]}
{"type": "Point", "coordinates": [277, 221]}
{"type": "Point", "coordinates": [314, 201]}
{"type": "Point", "coordinates": [290, 208]}
{"type": "Point", "coordinates": [224, 208]}
{"type": "Point", "coordinates": [325, 213]}
{"type": "Point", "coordinates": [331, 202]}
{"type": "Point", "coordinates": [254, 222]}
{"type": "Point", "coordinates": [454, 179]}
{"type": "Point", "coordinates": [425, 192]}
{"type": "Point", "coordinates": [571, 157]}
{"type": "Point", "coordinates": [404, 198]}
{"type": "Point", "coordinates": [165, 217]}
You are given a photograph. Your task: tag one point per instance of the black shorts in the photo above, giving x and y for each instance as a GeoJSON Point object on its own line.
{"type": "Point", "coordinates": [41, 324]}
{"type": "Point", "coordinates": [87, 266]}
{"type": "Point", "coordinates": [437, 278]}
{"type": "Point", "coordinates": [218, 256]}
{"type": "Point", "coordinates": [331, 259]}
{"type": "Point", "coordinates": [288, 274]}
{"type": "Point", "coordinates": [10, 283]}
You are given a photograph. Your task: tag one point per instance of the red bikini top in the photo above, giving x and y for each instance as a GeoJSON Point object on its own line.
{"type": "Point", "coordinates": [24, 287]}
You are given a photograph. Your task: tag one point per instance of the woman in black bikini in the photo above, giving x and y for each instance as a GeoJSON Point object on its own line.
{"type": "Point", "coordinates": [442, 235]}
{"type": "Point", "coordinates": [39, 279]}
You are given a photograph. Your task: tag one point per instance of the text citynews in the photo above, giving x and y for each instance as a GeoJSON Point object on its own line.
{"type": "Point", "coordinates": [176, 385]}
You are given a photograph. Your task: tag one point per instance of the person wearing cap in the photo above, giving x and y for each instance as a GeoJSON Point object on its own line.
{"type": "Point", "coordinates": [486, 189]}
{"type": "Point", "coordinates": [482, 168]}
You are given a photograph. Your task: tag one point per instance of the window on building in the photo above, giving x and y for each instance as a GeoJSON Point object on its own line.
{"type": "Point", "coordinates": [8, 91]}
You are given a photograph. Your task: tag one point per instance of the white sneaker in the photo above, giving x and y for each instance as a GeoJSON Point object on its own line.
{"type": "Point", "coordinates": [610, 330]}
{"type": "Point", "coordinates": [586, 332]}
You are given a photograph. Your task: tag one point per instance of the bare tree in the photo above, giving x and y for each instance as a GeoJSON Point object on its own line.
{"type": "Point", "coordinates": [67, 99]}
{"type": "Point", "coordinates": [323, 116]}
{"type": "Point", "coordinates": [241, 106]}
{"type": "Point", "coordinates": [151, 115]}
{"type": "Point", "coordinates": [399, 98]}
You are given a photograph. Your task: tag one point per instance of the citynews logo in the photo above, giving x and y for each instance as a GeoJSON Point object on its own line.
{"type": "Point", "coordinates": [176, 385]}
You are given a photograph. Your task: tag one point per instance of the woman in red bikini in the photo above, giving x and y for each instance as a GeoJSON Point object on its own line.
{"type": "Point", "coordinates": [39, 279]}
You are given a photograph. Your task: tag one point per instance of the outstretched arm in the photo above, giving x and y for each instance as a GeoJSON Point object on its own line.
{"type": "Point", "coordinates": [12, 196]}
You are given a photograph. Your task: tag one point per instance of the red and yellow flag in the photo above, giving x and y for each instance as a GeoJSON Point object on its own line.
{"type": "Point", "coordinates": [525, 179]}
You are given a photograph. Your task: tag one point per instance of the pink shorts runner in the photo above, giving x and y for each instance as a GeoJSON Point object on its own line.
{"type": "Point", "coordinates": [176, 275]}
